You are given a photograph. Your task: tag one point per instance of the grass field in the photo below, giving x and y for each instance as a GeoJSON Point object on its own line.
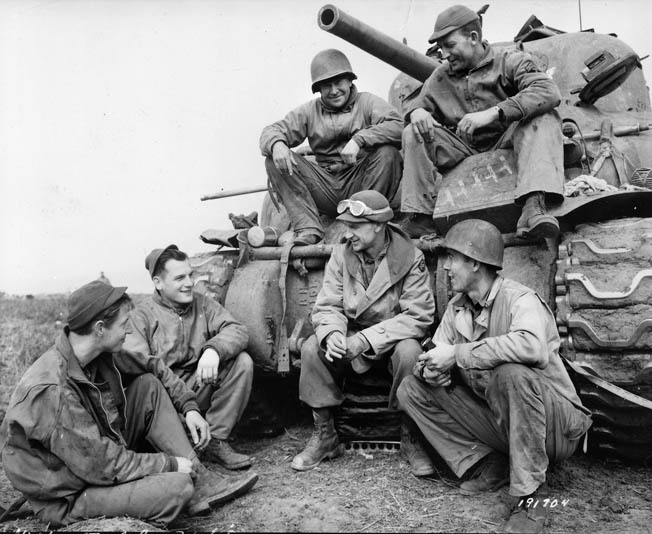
{"type": "Point", "coordinates": [28, 327]}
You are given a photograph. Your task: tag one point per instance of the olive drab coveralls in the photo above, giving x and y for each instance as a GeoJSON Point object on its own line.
{"type": "Point", "coordinates": [516, 396]}
{"type": "Point", "coordinates": [526, 98]}
{"type": "Point", "coordinates": [179, 335]}
{"type": "Point", "coordinates": [315, 188]}
{"type": "Point", "coordinates": [389, 302]}
{"type": "Point", "coordinates": [74, 442]}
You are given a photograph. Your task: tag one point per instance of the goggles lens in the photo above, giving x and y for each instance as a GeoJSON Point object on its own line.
{"type": "Point", "coordinates": [356, 207]}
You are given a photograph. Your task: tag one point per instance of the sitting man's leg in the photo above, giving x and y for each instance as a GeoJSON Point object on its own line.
{"type": "Point", "coordinates": [420, 182]}
{"type": "Point", "coordinates": [401, 364]}
{"type": "Point", "coordinates": [319, 389]}
{"type": "Point", "coordinates": [380, 170]}
{"type": "Point", "coordinates": [152, 423]}
{"type": "Point", "coordinates": [223, 404]}
{"type": "Point", "coordinates": [305, 193]}
{"type": "Point", "coordinates": [538, 147]}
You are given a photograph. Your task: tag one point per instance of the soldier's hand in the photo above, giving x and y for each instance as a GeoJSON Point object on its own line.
{"type": "Point", "coordinates": [199, 429]}
{"type": "Point", "coordinates": [184, 465]}
{"type": "Point", "coordinates": [283, 158]}
{"type": "Point", "coordinates": [423, 125]}
{"type": "Point", "coordinates": [356, 345]}
{"type": "Point", "coordinates": [472, 121]}
{"type": "Point", "coordinates": [439, 359]}
{"type": "Point", "coordinates": [436, 378]}
{"type": "Point", "coordinates": [350, 152]}
{"type": "Point", "coordinates": [208, 367]}
{"type": "Point", "coordinates": [335, 346]}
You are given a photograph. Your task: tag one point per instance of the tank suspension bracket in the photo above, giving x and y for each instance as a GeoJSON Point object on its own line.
{"type": "Point", "coordinates": [605, 295]}
{"type": "Point", "coordinates": [581, 324]}
{"type": "Point", "coordinates": [595, 248]}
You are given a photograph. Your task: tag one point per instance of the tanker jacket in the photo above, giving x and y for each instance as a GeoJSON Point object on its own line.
{"type": "Point", "coordinates": [508, 79]}
{"type": "Point", "coordinates": [180, 335]}
{"type": "Point", "coordinates": [398, 303]}
{"type": "Point", "coordinates": [366, 118]}
{"type": "Point", "coordinates": [64, 433]}
{"type": "Point", "coordinates": [513, 326]}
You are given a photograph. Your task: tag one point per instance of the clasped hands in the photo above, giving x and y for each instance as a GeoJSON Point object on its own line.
{"type": "Point", "coordinates": [339, 346]}
{"type": "Point", "coordinates": [435, 365]}
{"type": "Point", "coordinates": [284, 160]}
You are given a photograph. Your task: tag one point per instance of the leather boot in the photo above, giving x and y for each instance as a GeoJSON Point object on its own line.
{"type": "Point", "coordinates": [412, 449]}
{"type": "Point", "coordinates": [323, 445]}
{"type": "Point", "coordinates": [416, 225]}
{"type": "Point", "coordinates": [529, 515]}
{"type": "Point", "coordinates": [534, 222]}
{"type": "Point", "coordinates": [220, 451]}
{"type": "Point", "coordinates": [490, 473]}
{"type": "Point", "coordinates": [213, 489]}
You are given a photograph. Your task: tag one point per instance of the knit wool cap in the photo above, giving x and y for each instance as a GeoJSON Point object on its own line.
{"type": "Point", "coordinates": [451, 19]}
{"type": "Point", "coordinates": [90, 300]}
{"type": "Point", "coordinates": [152, 258]}
{"type": "Point", "coordinates": [372, 199]}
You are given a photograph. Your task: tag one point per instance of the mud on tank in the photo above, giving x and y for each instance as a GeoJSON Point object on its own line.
{"type": "Point", "coordinates": [597, 278]}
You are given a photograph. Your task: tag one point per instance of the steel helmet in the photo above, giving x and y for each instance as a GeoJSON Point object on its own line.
{"type": "Point", "coordinates": [452, 19]}
{"type": "Point", "coordinates": [477, 239]}
{"type": "Point", "coordinates": [328, 64]}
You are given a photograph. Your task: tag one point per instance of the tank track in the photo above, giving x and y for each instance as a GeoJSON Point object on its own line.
{"type": "Point", "coordinates": [604, 315]}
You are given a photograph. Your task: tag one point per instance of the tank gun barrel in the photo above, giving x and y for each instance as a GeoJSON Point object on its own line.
{"type": "Point", "coordinates": [234, 192]}
{"type": "Point", "coordinates": [385, 48]}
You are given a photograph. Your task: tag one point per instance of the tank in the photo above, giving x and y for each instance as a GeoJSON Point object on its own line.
{"type": "Point", "coordinates": [597, 278]}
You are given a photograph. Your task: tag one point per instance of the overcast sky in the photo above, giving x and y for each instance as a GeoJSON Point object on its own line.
{"type": "Point", "coordinates": [116, 116]}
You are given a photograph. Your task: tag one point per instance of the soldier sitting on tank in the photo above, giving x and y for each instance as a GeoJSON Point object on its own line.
{"type": "Point", "coordinates": [79, 446]}
{"type": "Point", "coordinates": [514, 409]}
{"type": "Point", "coordinates": [481, 99]}
{"type": "Point", "coordinates": [355, 139]}
{"type": "Point", "coordinates": [201, 342]}
{"type": "Point", "coordinates": [374, 307]}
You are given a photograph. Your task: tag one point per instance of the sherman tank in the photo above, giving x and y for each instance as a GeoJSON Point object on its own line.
{"type": "Point", "coordinates": [597, 277]}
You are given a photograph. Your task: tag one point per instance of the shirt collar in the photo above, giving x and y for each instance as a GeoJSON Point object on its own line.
{"type": "Point", "coordinates": [179, 309]}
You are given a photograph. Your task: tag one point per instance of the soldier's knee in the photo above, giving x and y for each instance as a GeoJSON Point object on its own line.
{"type": "Point", "coordinates": [408, 138]}
{"type": "Point", "coordinates": [405, 355]}
{"type": "Point", "coordinates": [388, 153]}
{"type": "Point", "coordinates": [511, 376]}
{"type": "Point", "coordinates": [244, 363]}
{"type": "Point", "coordinates": [407, 390]}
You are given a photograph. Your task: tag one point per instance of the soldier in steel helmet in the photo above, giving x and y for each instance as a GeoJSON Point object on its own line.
{"type": "Point", "coordinates": [514, 409]}
{"type": "Point", "coordinates": [354, 136]}
{"type": "Point", "coordinates": [93, 430]}
{"type": "Point", "coordinates": [374, 307]}
{"type": "Point", "coordinates": [478, 100]}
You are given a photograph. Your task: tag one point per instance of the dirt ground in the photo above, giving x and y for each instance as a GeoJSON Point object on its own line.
{"type": "Point", "coordinates": [362, 492]}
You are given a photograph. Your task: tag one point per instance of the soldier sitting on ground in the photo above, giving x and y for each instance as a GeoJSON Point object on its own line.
{"type": "Point", "coordinates": [515, 409]}
{"type": "Point", "coordinates": [79, 446]}
{"type": "Point", "coordinates": [355, 139]}
{"type": "Point", "coordinates": [374, 307]}
{"type": "Point", "coordinates": [478, 100]}
{"type": "Point", "coordinates": [201, 342]}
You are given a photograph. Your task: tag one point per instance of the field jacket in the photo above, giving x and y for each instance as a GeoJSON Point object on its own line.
{"type": "Point", "coordinates": [179, 336]}
{"type": "Point", "coordinates": [397, 304]}
{"type": "Point", "coordinates": [63, 433]}
{"type": "Point", "coordinates": [508, 79]}
{"type": "Point", "coordinates": [366, 118]}
{"type": "Point", "coordinates": [513, 326]}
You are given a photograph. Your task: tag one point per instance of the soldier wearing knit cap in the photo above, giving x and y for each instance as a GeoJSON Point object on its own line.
{"type": "Point", "coordinates": [481, 99]}
{"type": "Point", "coordinates": [202, 343]}
{"type": "Point", "coordinates": [374, 307]}
{"type": "Point", "coordinates": [79, 444]}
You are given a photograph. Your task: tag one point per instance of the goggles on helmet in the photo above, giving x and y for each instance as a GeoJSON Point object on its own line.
{"type": "Point", "coordinates": [359, 208]}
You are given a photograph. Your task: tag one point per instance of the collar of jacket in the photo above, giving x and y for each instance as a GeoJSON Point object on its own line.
{"type": "Point", "coordinates": [398, 251]}
{"type": "Point", "coordinates": [74, 368]}
{"type": "Point", "coordinates": [167, 303]}
{"type": "Point", "coordinates": [486, 59]}
{"type": "Point", "coordinates": [347, 107]}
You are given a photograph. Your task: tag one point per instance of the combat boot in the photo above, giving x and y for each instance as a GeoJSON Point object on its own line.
{"type": "Point", "coordinates": [220, 451]}
{"type": "Point", "coordinates": [534, 222]}
{"type": "Point", "coordinates": [213, 489]}
{"type": "Point", "coordinates": [323, 444]}
{"type": "Point", "coordinates": [412, 449]}
{"type": "Point", "coordinates": [416, 225]}
{"type": "Point", "coordinates": [490, 473]}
